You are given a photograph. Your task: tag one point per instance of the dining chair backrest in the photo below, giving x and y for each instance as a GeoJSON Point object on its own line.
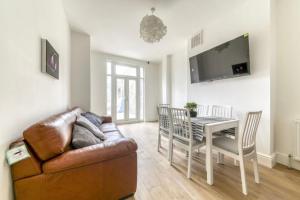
{"type": "Point", "coordinates": [163, 118]}
{"type": "Point", "coordinates": [181, 124]}
{"type": "Point", "coordinates": [221, 111]}
{"type": "Point", "coordinates": [250, 128]}
{"type": "Point", "coordinates": [202, 110]}
{"type": "Point", "coordinates": [164, 105]}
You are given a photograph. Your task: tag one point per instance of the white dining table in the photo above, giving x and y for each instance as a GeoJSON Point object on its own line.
{"type": "Point", "coordinates": [209, 129]}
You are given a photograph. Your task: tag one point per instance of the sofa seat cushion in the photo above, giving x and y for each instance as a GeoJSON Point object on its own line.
{"type": "Point", "coordinates": [230, 145]}
{"type": "Point", "coordinates": [108, 127]}
{"type": "Point", "coordinates": [112, 136]}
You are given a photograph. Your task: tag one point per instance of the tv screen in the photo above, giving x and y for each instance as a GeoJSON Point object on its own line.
{"type": "Point", "coordinates": [227, 60]}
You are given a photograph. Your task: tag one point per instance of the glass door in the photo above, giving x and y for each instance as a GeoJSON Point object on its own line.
{"type": "Point", "coordinates": [126, 99]}
{"type": "Point", "coordinates": [125, 92]}
{"type": "Point", "coordinates": [120, 99]}
{"type": "Point", "coordinates": [132, 99]}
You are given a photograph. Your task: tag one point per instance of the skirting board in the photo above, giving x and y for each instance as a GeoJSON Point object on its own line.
{"type": "Point", "coordinates": [263, 159]}
{"type": "Point", "coordinates": [266, 160]}
{"type": "Point", "coordinates": [284, 160]}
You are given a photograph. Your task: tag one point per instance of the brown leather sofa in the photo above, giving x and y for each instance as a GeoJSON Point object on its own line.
{"type": "Point", "coordinates": [55, 171]}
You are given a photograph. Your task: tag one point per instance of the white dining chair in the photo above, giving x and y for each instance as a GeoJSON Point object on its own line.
{"type": "Point", "coordinates": [221, 111]}
{"type": "Point", "coordinates": [163, 124]}
{"type": "Point", "coordinates": [243, 147]}
{"type": "Point", "coordinates": [181, 135]}
{"type": "Point", "coordinates": [202, 110]}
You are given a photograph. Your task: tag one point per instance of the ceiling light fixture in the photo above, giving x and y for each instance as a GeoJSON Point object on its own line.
{"type": "Point", "coordinates": [152, 29]}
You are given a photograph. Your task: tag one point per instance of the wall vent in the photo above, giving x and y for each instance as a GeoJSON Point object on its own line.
{"type": "Point", "coordinates": [197, 40]}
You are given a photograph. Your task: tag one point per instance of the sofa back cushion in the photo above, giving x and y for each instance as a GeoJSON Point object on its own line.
{"type": "Point", "coordinates": [52, 136]}
{"type": "Point", "coordinates": [83, 137]}
{"type": "Point", "coordinates": [93, 118]}
{"type": "Point", "coordinates": [84, 122]}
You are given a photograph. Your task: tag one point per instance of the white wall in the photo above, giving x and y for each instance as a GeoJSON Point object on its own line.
{"type": "Point", "coordinates": [80, 71]}
{"type": "Point", "coordinates": [166, 80]}
{"type": "Point", "coordinates": [98, 83]}
{"type": "Point", "coordinates": [244, 93]}
{"type": "Point", "coordinates": [151, 91]}
{"type": "Point", "coordinates": [28, 95]}
{"type": "Point", "coordinates": [179, 78]}
{"type": "Point", "coordinates": [287, 79]}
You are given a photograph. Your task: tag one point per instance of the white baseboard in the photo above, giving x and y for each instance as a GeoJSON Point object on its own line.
{"type": "Point", "coordinates": [263, 159]}
{"type": "Point", "coordinates": [284, 160]}
{"type": "Point", "coordinates": [266, 160]}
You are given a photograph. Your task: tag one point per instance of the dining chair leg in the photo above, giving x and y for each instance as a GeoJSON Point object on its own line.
{"type": "Point", "coordinates": [220, 158]}
{"type": "Point", "coordinates": [255, 166]}
{"type": "Point", "coordinates": [243, 175]}
{"type": "Point", "coordinates": [171, 152]}
{"type": "Point", "coordinates": [236, 163]}
{"type": "Point", "coordinates": [189, 163]}
{"type": "Point", "coordinates": [169, 148]}
{"type": "Point", "coordinates": [159, 142]}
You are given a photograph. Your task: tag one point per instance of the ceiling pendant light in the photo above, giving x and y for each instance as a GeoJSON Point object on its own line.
{"type": "Point", "coordinates": [152, 29]}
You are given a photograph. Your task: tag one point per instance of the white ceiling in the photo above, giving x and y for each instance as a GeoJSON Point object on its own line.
{"type": "Point", "coordinates": [114, 24]}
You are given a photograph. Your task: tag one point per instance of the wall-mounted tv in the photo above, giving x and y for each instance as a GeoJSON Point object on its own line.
{"type": "Point", "coordinates": [227, 60]}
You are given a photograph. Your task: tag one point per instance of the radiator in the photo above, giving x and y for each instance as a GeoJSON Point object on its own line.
{"type": "Point", "coordinates": [297, 141]}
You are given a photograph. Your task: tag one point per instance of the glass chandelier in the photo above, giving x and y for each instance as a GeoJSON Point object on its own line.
{"type": "Point", "coordinates": [152, 29]}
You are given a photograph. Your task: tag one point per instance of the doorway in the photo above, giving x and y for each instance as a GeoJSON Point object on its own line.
{"type": "Point", "coordinates": [125, 92]}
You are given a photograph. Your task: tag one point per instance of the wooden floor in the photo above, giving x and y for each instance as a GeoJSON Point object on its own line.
{"type": "Point", "coordinates": [158, 180]}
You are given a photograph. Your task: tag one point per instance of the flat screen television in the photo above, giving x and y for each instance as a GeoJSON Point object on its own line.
{"type": "Point", "coordinates": [227, 60]}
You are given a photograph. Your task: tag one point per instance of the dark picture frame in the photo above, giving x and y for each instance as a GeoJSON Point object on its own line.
{"type": "Point", "coordinates": [50, 59]}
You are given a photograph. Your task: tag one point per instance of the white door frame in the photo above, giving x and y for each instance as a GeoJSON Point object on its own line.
{"type": "Point", "coordinates": [126, 78]}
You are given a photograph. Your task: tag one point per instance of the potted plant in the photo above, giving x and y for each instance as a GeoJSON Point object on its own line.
{"type": "Point", "coordinates": [192, 107]}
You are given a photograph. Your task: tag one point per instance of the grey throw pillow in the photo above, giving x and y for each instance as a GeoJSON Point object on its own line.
{"type": "Point", "coordinates": [92, 117]}
{"type": "Point", "coordinates": [82, 121]}
{"type": "Point", "coordinates": [82, 137]}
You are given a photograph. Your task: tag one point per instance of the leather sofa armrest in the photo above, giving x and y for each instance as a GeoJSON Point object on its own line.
{"type": "Point", "coordinates": [90, 155]}
{"type": "Point", "coordinates": [25, 168]}
{"type": "Point", "coordinates": [106, 119]}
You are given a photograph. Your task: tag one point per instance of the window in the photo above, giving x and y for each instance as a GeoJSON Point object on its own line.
{"type": "Point", "coordinates": [108, 68]}
{"type": "Point", "coordinates": [121, 96]}
{"type": "Point", "coordinates": [142, 99]}
{"type": "Point", "coordinates": [142, 93]}
{"type": "Point", "coordinates": [142, 72]}
{"type": "Point", "coordinates": [108, 89]}
{"type": "Point", "coordinates": [125, 70]}
{"type": "Point", "coordinates": [132, 96]}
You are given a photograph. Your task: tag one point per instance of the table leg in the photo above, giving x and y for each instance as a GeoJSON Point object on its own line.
{"type": "Point", "coordinates": [209, 160]}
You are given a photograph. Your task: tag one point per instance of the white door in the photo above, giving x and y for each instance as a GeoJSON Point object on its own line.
{"type": "Point", "coordinates": [132, 99]}
{"type": "Point", "coordinates": [126, 99]}
{"type": "Point", "coordinates": [125, 92]}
